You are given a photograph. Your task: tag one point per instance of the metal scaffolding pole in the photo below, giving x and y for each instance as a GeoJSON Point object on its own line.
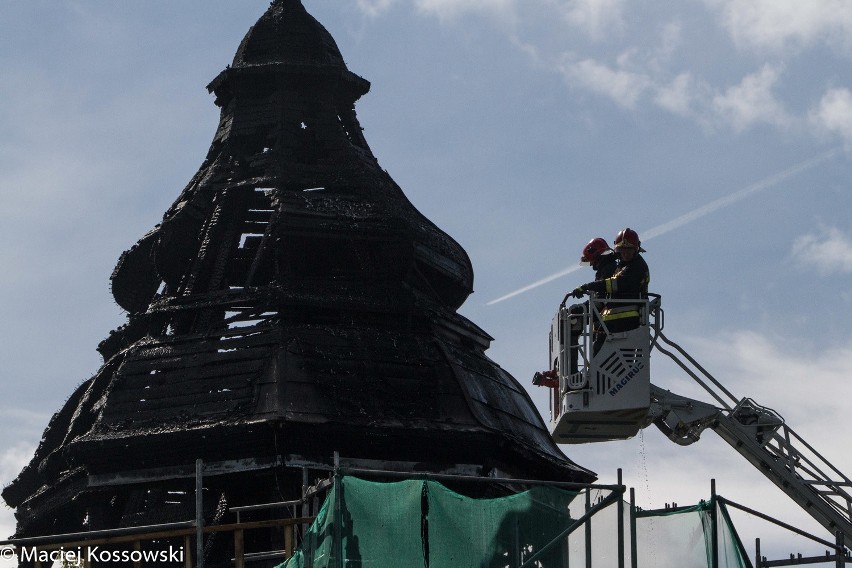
{"type": "Point", "coordinates": [199, 514]}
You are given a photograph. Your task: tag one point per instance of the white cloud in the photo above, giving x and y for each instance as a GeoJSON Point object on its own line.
{"type": "Point", "coordinates": [375, 7]}
{"type": "Point", "coordinates": [597, 18]}
{"type": "Point", "coordinates": [649, 63]}
{"type": "Point", "coordinates": [622, 86]}
{"type": "Point", "coordinates": [752, 101]}
{"type": "Point", "coordinates": [671, 41]}
{"type": "Point", "coordinates": [781, 24]}
{"type": "Point", "coordinates": [12, 461]}
{"type": "Point", "coordinates": [806, 384]}
{"type": "Point", "coordinates": [633, 75]}
{"type": "Point", "coordinates": [676, 97]}
{"type": "Point", "coordinates": [451, 9]}
{"type": "Point", "coordinates": [834, 113]}
{"type": "Point", "coordinates": [829, 251]}
{"type": "Point", "coordinates": [626, 61]}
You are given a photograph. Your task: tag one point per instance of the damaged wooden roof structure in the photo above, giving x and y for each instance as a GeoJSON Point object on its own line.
{"type": "Point", "coordinates": [292, 303]}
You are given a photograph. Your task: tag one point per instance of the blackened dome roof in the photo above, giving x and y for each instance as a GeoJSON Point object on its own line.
{"type": "Point", "coordinates": [287, 34]}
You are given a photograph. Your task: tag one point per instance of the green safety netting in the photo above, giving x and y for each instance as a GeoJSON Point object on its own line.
{"type": "Point", "coordinates": [731, 550]}
{"type": "Point", "coordinates": [420, 523]}
{"type": "Point", "coordinates": [683, 537]}
{"type": "Point", "coordinates": [417, 523]}
{"type": "Point", "coordinates": [603, 528]}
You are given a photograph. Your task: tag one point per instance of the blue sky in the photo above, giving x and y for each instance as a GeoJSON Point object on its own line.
{"type": "Point", "coordinates": [523, 128]}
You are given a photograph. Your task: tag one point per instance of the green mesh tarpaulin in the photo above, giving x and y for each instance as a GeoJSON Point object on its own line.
{"type": "Point", "coordinates": [373, 522]}
{"type": "Point", "coordinates": [731, 552]}
{"type": "Point", "coordinates": [603, 547]}
{"type": "Point", "coordinates": [495, 532]}
{"type": "Point", "coordinates": [419, 523]}
{"type": "Point", "coordinates": [422, 524]}
{"type": "Point", "coordinates": [683, 538]}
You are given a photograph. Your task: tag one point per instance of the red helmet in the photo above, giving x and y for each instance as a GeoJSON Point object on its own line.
{"type": "Point", "coordinates": [593, 250]}
{"type": "Point", "coordinates": [628, 238]}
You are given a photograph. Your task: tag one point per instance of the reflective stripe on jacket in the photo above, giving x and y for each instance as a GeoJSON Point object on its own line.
{"type": "Point", "coordinates": [611, 313]}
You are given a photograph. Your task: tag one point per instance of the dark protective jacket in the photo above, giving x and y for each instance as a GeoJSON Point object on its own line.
{"type": "Point", "coordinates": [606, 266]}
{"type": "Point", "coordinates": [630, 280]}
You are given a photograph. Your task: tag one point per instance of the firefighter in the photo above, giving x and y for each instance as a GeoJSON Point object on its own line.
{"type": "Point", "coordinates": [597, 254]}
{"type": "Point", "coordinates": [600, 257]}
{"type": "Point", "coordinates": [630, 281]}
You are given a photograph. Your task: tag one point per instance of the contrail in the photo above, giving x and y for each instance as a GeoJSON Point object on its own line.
{"type": "Point", "coordinates": [711, 207]}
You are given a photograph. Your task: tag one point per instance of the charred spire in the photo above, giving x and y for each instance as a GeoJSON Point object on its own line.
{"type": "Point", "coordinates": [291, 303]}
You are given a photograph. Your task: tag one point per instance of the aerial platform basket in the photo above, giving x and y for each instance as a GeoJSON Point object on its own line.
{"type": "Point", "coordinates": [604, 395]}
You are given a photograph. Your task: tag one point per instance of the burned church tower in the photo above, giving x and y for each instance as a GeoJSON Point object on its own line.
{"type": "Point", "coordinates": [292, 303]}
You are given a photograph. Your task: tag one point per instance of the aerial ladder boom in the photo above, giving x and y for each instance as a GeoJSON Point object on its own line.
{"type": "Point", "coordinates": [608, 395]}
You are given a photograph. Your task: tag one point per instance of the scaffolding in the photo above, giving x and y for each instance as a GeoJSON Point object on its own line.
{"type": "Point", "coordinates": [377, 518]}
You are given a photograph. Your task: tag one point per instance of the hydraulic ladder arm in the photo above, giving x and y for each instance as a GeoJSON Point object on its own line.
{"type": "Point", "coordinates": [760, 435]}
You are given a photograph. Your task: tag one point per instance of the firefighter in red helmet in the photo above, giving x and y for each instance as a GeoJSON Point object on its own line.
{"type": "Point", "coordinates": [629, 281]}
{"type": "Point", "coordinates": [601, 258]}
{"type": "Point", "coordinates": [597, 254]}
